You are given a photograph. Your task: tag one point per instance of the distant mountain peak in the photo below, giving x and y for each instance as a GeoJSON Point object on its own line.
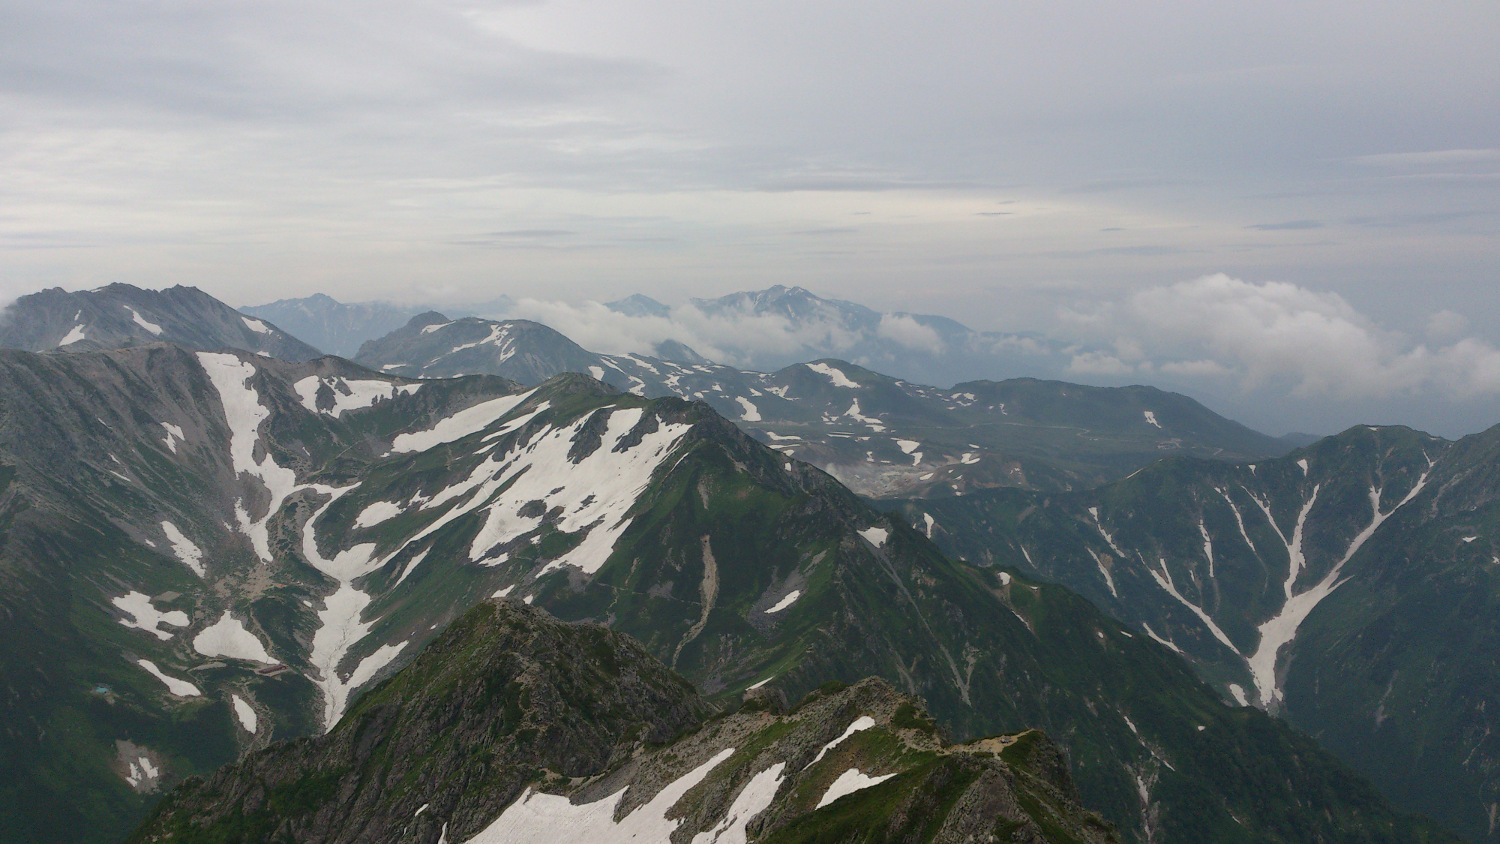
{"type": "Point", "coordinates": [639, 305]}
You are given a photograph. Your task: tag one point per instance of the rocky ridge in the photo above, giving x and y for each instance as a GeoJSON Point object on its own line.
{"type": "Point", "coordinates": [514, 727]}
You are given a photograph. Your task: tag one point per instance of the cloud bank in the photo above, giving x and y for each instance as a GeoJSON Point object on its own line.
{"type": "Point", "coordinates": [1275, 336]}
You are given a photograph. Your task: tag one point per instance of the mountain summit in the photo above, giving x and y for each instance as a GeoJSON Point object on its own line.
{"type": "Point", "coordinates": [120, 316]}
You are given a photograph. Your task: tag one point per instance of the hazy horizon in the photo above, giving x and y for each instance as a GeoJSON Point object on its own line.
{"type": "Point", "coordinates": [1288, 212]}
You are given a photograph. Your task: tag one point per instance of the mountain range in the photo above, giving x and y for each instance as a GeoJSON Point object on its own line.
{"type": "Point", "coordinates": [763, 330]}
{"type": "Point", "coordinates": [879, 435]}
{"type": "Point", "coordinates": [210, 551]}
{"type": "Point", "coordinates": [340, 328]}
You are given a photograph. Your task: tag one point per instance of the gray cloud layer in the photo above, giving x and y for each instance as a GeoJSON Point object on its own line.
{"type": "Point", "coordinates": [980, 159]}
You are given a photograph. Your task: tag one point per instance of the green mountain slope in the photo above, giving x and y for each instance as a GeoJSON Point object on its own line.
{"type": "Point", "coordinates": [1350, 586]}
{"type": "Point", "coordinates": [250, 543]}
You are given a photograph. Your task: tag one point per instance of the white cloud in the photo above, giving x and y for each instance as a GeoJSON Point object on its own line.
{"type": "Point", "coordinates": [733, 336]}
{"type": "Point", "coordinates": [1194, 368]}
{"type": "Point", "coordinates": [1430, 158]}
{"type": "Point", "coordinates": [1098, 363]}
{"type": "Point", "coordinates": [906, 331]}
{"type": "Point", "coordinates": [1274, 334]}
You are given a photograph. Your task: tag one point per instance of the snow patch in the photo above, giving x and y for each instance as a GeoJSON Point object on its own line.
{"type": "Point", "coordinates": [143, 322]}
{"type": "Point", "coordinates": [244, 413]}
{"type": "Point", "coordinates": [785, 602]}
{"type": "Point", "coordinates": [229, 637]}
{"type": "Point", "coordinates": [930, 524]}
{"type": "Point", "coordinates": [348, 395]}
{"type": "Point", "coordinates": [753, 799]}
{"type": "Point", "coordinates": [74, 336]}
{"type": "Point", "coordinates": [341, 622]}
{"type": "Point", "coordinates": [376, 513]}
{"type": "Point", "coordinates": [595, 494]}
{"type": "Point", "coordinates": [185, 550]}
{"type": "Point", "coordinates": [517, 423]}
{"type": "Point", "coordinates": [181, 688]}
{"type": "Point", "coordinates": [849, 782]}
{"type": "Point", "coordinates": [461, 424]}
{"type": "Point", "coordinates": [1239, 694]}
{"type": "Point", "coordinates": [142, 773]}
{"type": "Point", "coordinates": [144, 616]}
{"type": "Point", "coordinates": [875, 536]}
{"type": "Point", "coordinates": [1109, 579]}
{"type": "Point", "coordinates": [854, 413]}
{"type": "Point", "coordinates": [836, 376]}
{"type": "Point", "coordinates": [1279, 631]}
{"type": "Point", "coordinates": [863, 722]}
{"type": "Point", "coordinates": [1303, 464]}
{"type": "Point", "coordinates": [245, 713]}
{"type": "Point", "coordinates": [538, 818]}
{"type": "Point", "coordinates": [1151, 418]}
{"type": "Point", "coordinates": [1164, 580]}
{"type": "Point", "coordinates": [256, 325]}
{"type": "Point", "coordinates": [174, 436]}
{"type": "Point", "coordinates": [750, 412]}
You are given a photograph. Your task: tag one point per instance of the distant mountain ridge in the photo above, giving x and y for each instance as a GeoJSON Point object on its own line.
{"type": "Point", "coordinates": [340, 328]}
{"type": "Point", "coordinates": [880, 435]}
{"type": "Point", "coordinates": [121, 316]}
{"type": "Point", "coordinates": [921, 347]}
{"type": "Point", "coordinates": [918, 347]}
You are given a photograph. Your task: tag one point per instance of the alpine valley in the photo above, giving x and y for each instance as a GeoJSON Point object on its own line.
{"type": "Point", "coordinates": [1353, 587]}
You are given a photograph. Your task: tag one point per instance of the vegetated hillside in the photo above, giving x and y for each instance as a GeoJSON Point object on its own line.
{"type": "Point", "coordinates": [120, 316]}
{"type": "Point", "coordinates": [194, 521]}
{"type": "Point", "coordinates": [154, 589]}
{"type": "Point", "coordinates": [515, 727]}
{"type": "Point", "coordinates": [879, 435]}
{"type": "Point", "coordinates": [1352, 586]}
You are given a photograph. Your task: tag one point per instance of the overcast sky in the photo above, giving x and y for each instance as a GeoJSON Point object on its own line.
{"type": "Point", "coordinates": [1058, 167]}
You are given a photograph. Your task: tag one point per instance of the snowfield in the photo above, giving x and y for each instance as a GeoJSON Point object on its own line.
{"type": "Point", "coordinates": [553, 819]}
{"type": "Point", "coordinates": [228, 637]}
{"type": "Point", "coordinates": [849, 782]}
{"type": "Point", "coordinates": [461, 424]}
{"type": "Point", "coordinates": [144, 616]}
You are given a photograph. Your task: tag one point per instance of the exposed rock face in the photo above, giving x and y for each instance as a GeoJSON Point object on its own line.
{"type": "Point", "coordinates": [513, 726]}
{"type": "Point", "coordinates": [120, 316]}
